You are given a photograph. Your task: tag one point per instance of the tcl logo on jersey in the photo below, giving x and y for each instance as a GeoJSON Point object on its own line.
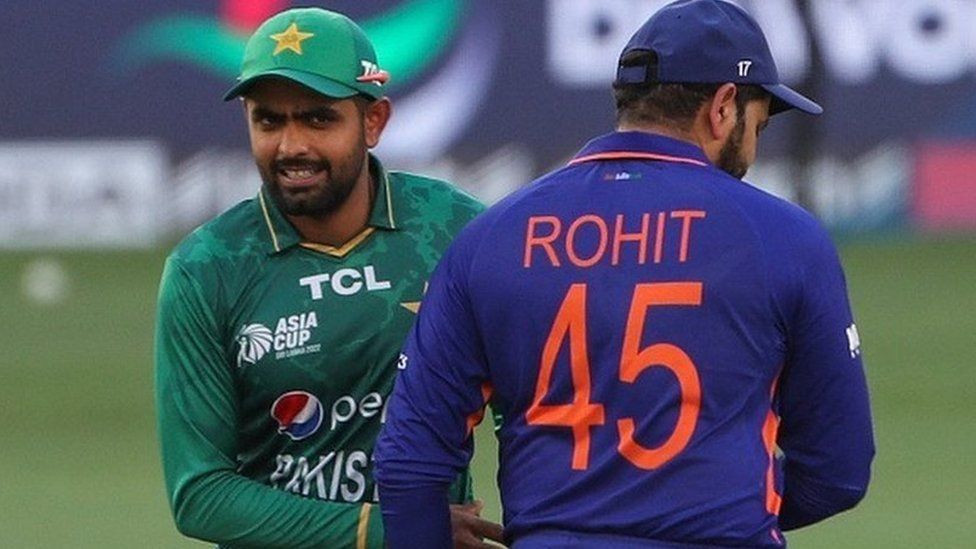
{"type": "Point", "coordinates": [299, 414]}
{"type": "Point", "coordinates": [344, 282]}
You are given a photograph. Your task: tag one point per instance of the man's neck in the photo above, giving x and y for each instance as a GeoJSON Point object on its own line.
{"type": "Point", "coordinates": [344, 224]}
{"type": "Point", "coordinates": [657, 129]}
{"type": "Point", "coordinates": [697, 135]}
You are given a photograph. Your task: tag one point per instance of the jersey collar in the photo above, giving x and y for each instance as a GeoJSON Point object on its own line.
{"type": "Point", "coordinates": [637, 145]}
{"type": "Point", "coordinates": [282, 235]}
{"type": "Point", "coordinates": [382, 216]}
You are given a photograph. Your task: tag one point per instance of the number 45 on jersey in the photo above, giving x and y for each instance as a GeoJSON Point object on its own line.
{"type": "Point", "coordinates": [582, 413]}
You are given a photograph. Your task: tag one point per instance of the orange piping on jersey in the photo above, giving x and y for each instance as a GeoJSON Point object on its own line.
{"type": "Point", "coordinates": [769, 430]}
{"type": "Point", "coordinates": [625, 155]}
{"type": "Point", "coordinates": [476, 417]}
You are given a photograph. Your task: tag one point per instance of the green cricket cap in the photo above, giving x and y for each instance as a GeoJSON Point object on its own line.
{"type": "Point", "coordinates": [320, 49]}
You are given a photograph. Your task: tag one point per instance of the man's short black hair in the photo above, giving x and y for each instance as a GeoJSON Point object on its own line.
{"type": "Point", "coordinates": [668, 104]}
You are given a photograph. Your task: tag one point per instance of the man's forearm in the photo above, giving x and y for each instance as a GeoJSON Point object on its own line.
{"type": "Point", "coordinates": [416, 517]}
{"type": "Point", "coordinates": [226, 508]}
{"type": "Point", "coordinates": [806, 502]}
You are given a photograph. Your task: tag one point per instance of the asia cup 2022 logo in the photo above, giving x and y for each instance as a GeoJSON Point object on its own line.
{"type": "Point", "coordinates": [460, 38]}
{"type": "Point", "coordinates": [254, 341]}
{"type": "Point", "coordinates": [299, 414]}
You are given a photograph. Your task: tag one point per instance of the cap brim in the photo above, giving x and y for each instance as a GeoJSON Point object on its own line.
{"type": "Point", "coordinates": [320, 84]}
{"type": "Point", "coordinates": [785, 98]}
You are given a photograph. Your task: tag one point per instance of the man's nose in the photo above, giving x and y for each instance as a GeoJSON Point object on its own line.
{"type": "Point", "coordinates": [294, 141]}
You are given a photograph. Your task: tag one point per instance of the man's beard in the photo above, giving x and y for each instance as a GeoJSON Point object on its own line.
{"type": "Point", "coordinates": [730, 158]}
{"type": "Point", "coordinates": [323, 200]}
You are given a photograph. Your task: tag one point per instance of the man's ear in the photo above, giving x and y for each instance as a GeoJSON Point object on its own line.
{"type": "Point", "coordinates": [375, 117]}
{"type": "Point", "coordinates": [722, 114]}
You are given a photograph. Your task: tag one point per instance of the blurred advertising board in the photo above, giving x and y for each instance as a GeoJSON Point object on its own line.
{"type": "Point", "coordinates": [491, 94]}
{"type": "Point", "coordinates": [945, 196]}
{"type": "Point", "coordinates": [69, 194]}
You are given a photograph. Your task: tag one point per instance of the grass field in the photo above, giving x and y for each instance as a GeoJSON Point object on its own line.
{"type": "Point", "coordinates": [79, 461]}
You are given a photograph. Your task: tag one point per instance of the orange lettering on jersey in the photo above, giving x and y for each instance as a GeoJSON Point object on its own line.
{"type": "Point", "coordinates": [687, 216]}
{"type": "Point", "coordinates": [619, 237]}
{"type": "Point", "coordinates": [587, 240]}
{"type": "Point", "coordinates": [634, 360]}
{"type": "Point", "coordinates": [659, 238]}
{"type": "Point", "coordinates": [531, 239]}
{"type": "Point", "coordinates": [571, 241]}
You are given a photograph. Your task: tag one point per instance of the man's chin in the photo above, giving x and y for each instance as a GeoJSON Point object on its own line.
{"type": "Point", "coordinates": [306, 201]}
{"type": "Point", "coordinates": [296, 202]}
{"type": "Point", "coordinates": [303, 208]}
{"type": "Point", "coordinates": [312, 206]}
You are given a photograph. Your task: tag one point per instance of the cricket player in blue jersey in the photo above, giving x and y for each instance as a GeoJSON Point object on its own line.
{"type": "Point", "coordinates": [672, 349]}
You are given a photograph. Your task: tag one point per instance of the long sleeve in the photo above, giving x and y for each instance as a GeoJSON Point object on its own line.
{"type": "Point", "coordinates": [438, 397]}
{"type": "Point", "coordinates": [197, 421]}
{"type": "Point", "coordinates": [826, 430]}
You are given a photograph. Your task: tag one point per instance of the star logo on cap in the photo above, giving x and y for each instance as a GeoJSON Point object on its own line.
{"type": "Point", "coordinates": [291, 39]}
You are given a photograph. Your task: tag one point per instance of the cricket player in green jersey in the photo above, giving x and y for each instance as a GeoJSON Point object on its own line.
{"type": "Point", "coordinates": [280, 321]}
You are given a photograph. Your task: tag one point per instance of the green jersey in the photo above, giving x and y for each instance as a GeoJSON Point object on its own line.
{"type": "Point", "coordinates": [274, 359]}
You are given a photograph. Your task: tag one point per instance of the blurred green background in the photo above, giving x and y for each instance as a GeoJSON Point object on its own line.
{"type": "Point", "coordinates": [79, 463]}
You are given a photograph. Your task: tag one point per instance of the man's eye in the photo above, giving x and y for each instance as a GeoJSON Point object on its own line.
{"type": "Point", "coordinates": [321, 119]}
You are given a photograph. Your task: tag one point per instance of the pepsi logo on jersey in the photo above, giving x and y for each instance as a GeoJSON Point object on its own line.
{"type": "Point", "coordinates": [299, 414]}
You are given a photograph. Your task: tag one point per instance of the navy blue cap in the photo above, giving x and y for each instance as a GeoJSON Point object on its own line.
{"type": "Point", "coordinates": [708, 42]}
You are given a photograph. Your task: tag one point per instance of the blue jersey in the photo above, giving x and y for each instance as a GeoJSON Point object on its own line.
{"type": "Point", "coordinates": [672, 351]}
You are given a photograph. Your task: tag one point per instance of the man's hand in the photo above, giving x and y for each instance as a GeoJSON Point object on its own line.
{"type": "Point", "coordinates": [470, 530]}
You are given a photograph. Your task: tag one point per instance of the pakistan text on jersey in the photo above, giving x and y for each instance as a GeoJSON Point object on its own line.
{"type": "Point", "coordinates": [544, 233]}
{"type": "Point", "coordinates": [336, 476]}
